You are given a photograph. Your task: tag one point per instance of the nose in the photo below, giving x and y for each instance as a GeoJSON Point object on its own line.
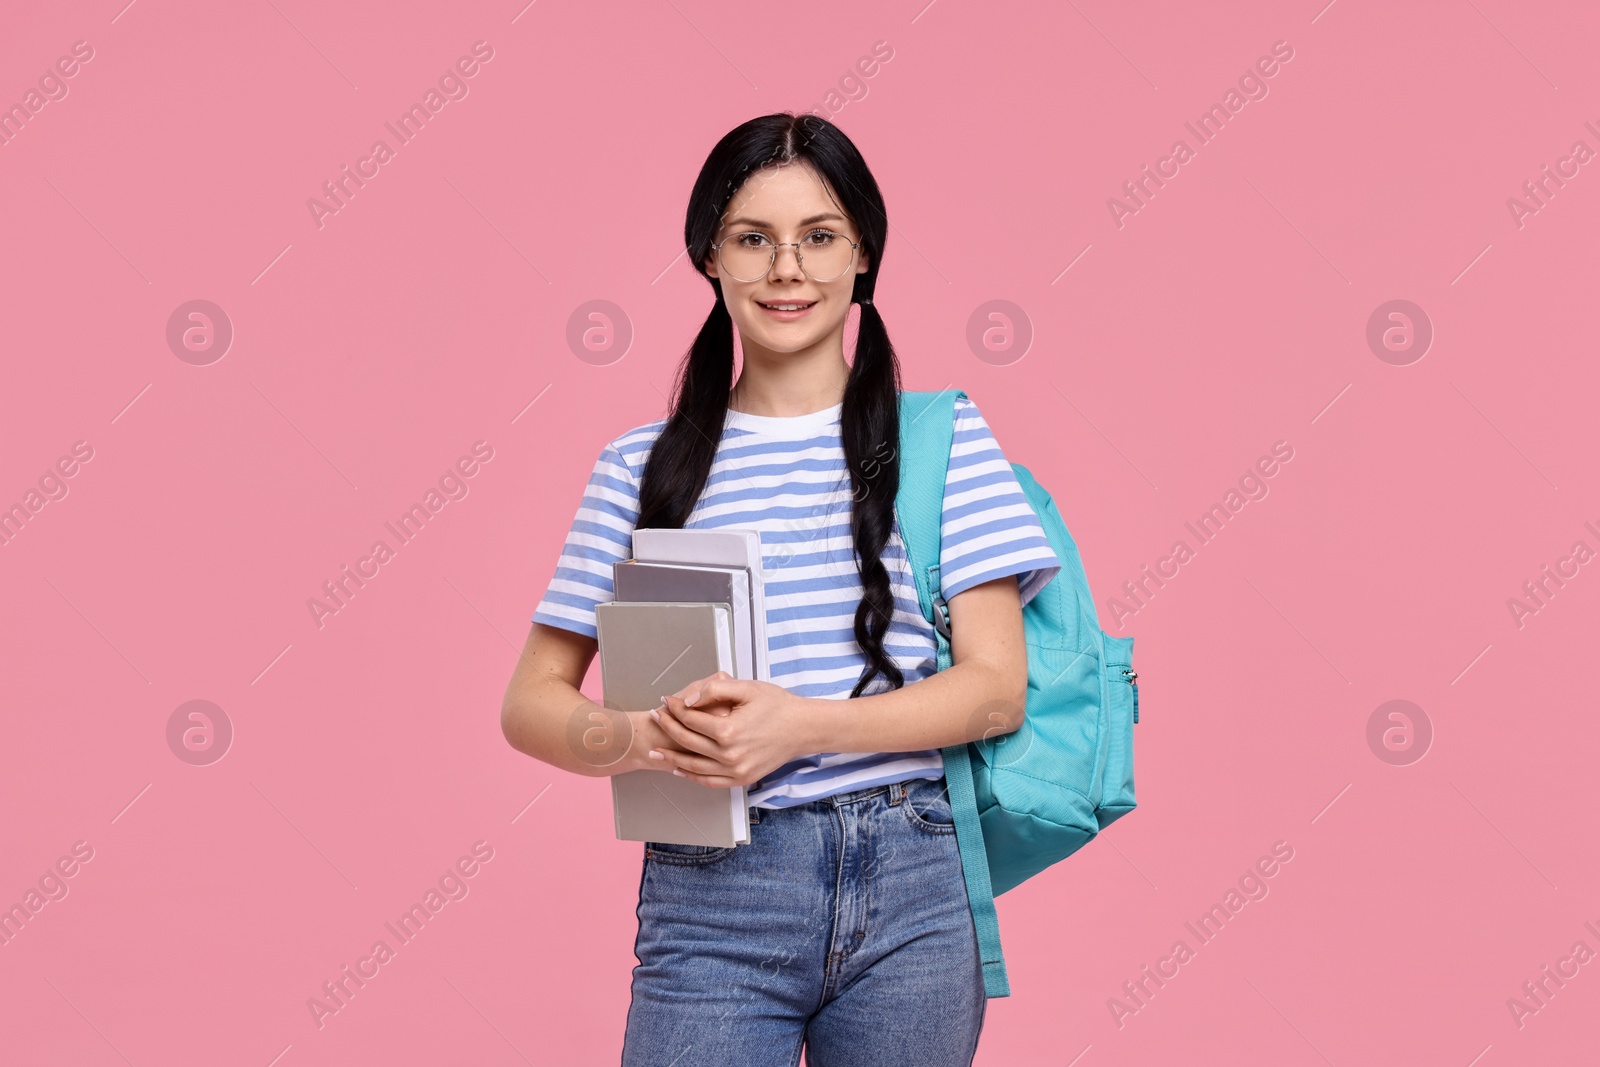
{"type": "Point", "coordinates": [789, 268]}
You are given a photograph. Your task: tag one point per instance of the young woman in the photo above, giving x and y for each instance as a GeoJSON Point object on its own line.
{"type": "Point", "coordinates": [843, 926]}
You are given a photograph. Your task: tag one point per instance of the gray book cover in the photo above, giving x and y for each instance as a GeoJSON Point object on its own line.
{"type": "Point", "coordinates": [635, 580]}
{"type": "Point", "coordinates": [647, 649]}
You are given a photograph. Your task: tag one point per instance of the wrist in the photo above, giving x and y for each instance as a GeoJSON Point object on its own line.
{"type": "Point", "coordinates": [640, 742]}
{"type": "Point", "coordinates": [817, 726]}
{"type": "Point", "coordinates": [603, 742]}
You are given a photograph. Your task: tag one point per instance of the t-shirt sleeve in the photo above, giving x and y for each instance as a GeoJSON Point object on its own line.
{"type": "Point", "coordinates": [601, 534]}
{"type": "Point", "coordinates": [988, 529]}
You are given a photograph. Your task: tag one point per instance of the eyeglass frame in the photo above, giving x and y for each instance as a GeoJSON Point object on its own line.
{"type": "Point", "coordinates": [855, 247]}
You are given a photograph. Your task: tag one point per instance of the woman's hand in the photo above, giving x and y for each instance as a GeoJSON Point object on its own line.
{"type": "Point", "coordinates": [644, 735]}
{"type": "Point", "coordinates": [731, 731]}
{"type": "Point", "coordinates": [615, 742]}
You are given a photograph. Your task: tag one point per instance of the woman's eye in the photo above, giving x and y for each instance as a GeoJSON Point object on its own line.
{"type": "Point", "coordinates": [751, 240]}
{"type": "Point", "coordinates": [820, 238]}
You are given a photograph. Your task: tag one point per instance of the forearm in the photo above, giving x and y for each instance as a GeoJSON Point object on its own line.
{"type": "Point", "coordinates": [963, 702]}
{"type": "Point", "coordinates": [556, 724]}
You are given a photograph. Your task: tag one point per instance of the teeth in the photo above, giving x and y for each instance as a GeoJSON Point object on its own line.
{"type": "Point", "coordinates": [785, 307]}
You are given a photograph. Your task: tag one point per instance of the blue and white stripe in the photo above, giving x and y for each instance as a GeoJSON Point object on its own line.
{"type": "Point", "coordinates": [787, 478]}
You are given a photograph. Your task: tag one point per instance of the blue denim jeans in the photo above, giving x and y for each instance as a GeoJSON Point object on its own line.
{"type": "Point", "coordinates": [842, 925]}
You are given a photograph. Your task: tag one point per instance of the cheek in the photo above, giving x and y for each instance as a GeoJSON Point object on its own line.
{"type": "Point", "coordinates": [831, 315]}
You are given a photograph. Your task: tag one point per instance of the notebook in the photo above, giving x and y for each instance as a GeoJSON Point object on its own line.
{"type": "Point", "coordinates": [634, 579]}
{"type": "Point", "coordinates": [647, 649]}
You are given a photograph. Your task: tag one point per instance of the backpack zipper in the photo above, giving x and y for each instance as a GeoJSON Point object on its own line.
{"type": "Point", "coordinates": [1133, 680]}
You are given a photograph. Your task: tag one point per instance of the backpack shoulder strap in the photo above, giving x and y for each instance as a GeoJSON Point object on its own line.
{"type": "Point", "coordinates": [927, 431]}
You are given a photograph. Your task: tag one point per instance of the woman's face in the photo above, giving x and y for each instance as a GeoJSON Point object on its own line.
{"type": "Point", "coordinates": [785, 204]}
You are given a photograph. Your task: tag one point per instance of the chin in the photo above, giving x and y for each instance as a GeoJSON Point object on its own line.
{"type": "Point", "coordinates": [786, 343]}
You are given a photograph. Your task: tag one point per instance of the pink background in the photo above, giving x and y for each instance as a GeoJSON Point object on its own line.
{"type": "Point", "coordinates": [369, 354]}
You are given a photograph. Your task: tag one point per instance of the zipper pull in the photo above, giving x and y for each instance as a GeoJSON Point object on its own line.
{"type": "Point", "coordinates": [1133, 680]}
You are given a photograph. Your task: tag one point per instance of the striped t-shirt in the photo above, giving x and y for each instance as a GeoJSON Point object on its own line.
{"type": "Point", "coordinates": [786, 477]}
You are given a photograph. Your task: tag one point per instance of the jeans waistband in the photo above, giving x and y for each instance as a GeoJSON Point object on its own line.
{"type": "Point", "coordinates": [896, 793]}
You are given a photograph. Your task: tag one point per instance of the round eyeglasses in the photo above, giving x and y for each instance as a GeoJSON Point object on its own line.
{"type": "Point", "coordinates": [825, 256]}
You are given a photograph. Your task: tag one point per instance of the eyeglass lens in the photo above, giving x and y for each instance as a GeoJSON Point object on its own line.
{"type": "Point", "coordinates": [824, 255]}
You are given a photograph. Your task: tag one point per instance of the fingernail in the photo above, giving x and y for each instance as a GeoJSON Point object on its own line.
{"type": "Point", "coordinates": [679, 773]}
{"type": "Point", "coordinates": [656, 755]}
{"type": "Point", "coordinates": [692, 697]}
{"type": "Point", "coordinates": [655, 714]}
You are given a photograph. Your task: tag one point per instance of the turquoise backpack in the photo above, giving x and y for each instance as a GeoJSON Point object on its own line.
{"type": "Point", "coordinates": [1028, 799]}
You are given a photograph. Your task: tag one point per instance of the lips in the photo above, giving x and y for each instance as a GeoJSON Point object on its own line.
{"type": "Point", "coordinates": [787, 305]}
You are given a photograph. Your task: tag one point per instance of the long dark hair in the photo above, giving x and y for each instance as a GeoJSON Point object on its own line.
{"type": "Point", "coordinates": [680, 460]}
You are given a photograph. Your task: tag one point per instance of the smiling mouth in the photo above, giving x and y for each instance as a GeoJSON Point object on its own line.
{"type": "Point", "coordinates": [800, 305]}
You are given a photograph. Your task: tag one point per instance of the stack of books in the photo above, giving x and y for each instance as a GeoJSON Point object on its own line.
{"type": "Point", "coordinates": [687, 605]}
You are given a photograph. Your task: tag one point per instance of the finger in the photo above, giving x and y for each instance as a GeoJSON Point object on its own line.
{"type": "Point", "coordinates": [695, 686]}
{"type": "Point", "coordinates": [686, 738]}
{"type": "Point", "coordinates": [692, 686]}
{"type": "Point", "coordinates": [693, 764]}
{"type": "Point", "coordinates": [716, 690]}
{"type": "Point", "coordinates": [698, 689]}
{"type": "Point", "coordinates": [655, 734]}
{"type": "Point", "coordinates": [704, 722]}
{"type": "Point", "coordinates": [711, 707]}
{"type": "Point", "coordinates": [710, 781]}
{"type": "Point", "coordinates": [665, 745]}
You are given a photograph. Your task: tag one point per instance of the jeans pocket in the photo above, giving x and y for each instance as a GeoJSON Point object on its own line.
{"type": "Point", "coordinates": [927, 806]}
{"type": "Point", "coordinates": [686, 855]}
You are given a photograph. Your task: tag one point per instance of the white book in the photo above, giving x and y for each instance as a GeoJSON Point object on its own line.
{"type": "Point", "coordinates": [648, 649]}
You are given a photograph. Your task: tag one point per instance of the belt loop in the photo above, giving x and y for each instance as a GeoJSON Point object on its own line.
{"type": "Point", "coordinates": [897, 793]}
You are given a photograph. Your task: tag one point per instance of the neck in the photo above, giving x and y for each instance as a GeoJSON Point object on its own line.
{"type": "Point", "coordinates": [787, 386]}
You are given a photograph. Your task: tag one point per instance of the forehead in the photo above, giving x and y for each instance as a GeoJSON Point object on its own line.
{"type": "Point", "coordinates": [780, 196]}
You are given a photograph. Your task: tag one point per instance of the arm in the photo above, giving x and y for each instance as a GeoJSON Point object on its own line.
{"type": "Point", "coordinates": [545, 715]}
{"type": "Point", "coordinates": [981, 693]}
{"type": "Point", "coordinates": [754, 727]}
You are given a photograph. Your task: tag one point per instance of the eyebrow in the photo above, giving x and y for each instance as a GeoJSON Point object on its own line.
{"type": "Point", "coordinates": [741, 221]}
